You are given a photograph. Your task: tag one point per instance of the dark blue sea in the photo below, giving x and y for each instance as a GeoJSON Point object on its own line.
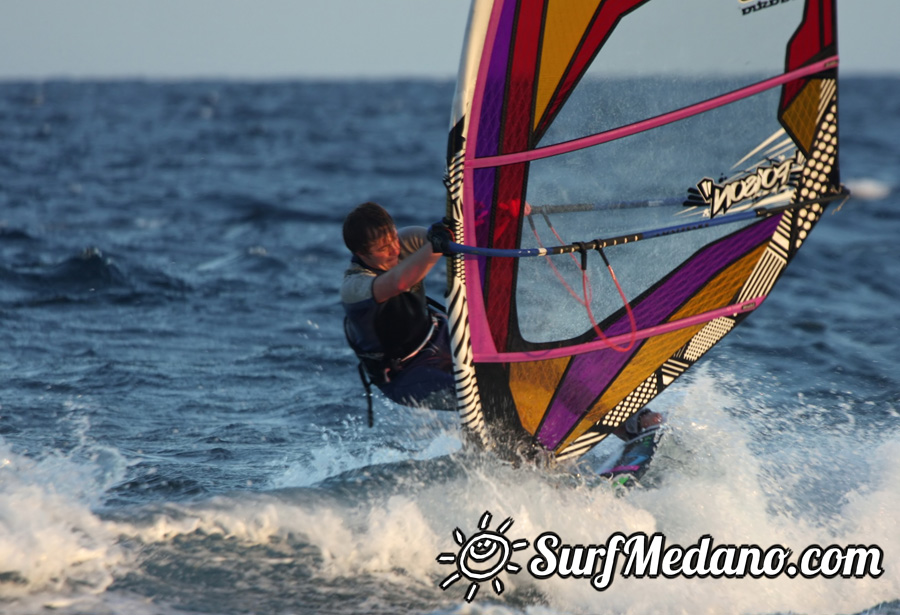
{"type": "Point", "coordinates": [182, 428]}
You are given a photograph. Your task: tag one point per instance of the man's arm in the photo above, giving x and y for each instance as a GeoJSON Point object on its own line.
{"type": "Point", "coordinates": [408, 272]}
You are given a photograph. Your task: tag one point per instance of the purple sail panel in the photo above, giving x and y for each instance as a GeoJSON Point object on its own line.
{"type": "Point", "coordinates": [590, 374]}
{"type": "Point", "coordinates": [495, 85]}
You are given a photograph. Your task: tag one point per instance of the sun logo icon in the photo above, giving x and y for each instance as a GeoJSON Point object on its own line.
{"type": "Point", "coordinates": [482, 557]}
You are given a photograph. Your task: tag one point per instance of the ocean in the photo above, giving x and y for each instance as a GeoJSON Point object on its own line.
{"type": "Point", "coordinates": [182, 428]}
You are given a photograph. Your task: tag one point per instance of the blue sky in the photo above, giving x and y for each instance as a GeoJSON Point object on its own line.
{"type": "Point", "coordinates": [262, 39]}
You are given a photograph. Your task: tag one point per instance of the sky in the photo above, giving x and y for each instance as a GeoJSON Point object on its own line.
{"type": "Point", "coordinates": [266, 39]}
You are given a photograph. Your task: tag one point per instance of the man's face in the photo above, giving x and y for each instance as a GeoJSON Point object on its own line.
{"type": "Point", "coordinates": [384, 252]}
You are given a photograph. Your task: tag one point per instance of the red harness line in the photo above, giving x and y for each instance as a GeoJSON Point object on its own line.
{"type": "Point", "coordinates": [587, 291]}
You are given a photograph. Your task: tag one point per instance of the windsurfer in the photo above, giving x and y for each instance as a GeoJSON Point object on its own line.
{"type": "Point", "coordinates": [401, 339]}
{"type": "Point", "coordinates": [638, 423]}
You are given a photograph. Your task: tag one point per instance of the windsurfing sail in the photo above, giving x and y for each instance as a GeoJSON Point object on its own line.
{"type": "Point", "coordinates": [627, 180]}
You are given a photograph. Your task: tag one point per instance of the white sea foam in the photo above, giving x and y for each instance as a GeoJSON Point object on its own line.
{"type": "Point", "coordinates": [869, 189]}
{"type": "Point", "coordinates": [713, 480]}
{"type": "Point", "coordinates": [712, 476]}
{"type": "Point", "coordinates": [50, 540]}
{"type": "Point", "coordinates": [722, 485]}
{"type": "Point", "coordinates": [352, 448]}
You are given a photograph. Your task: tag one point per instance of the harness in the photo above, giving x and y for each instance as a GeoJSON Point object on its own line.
{"type": "Point", "coordinates": [376, 367]}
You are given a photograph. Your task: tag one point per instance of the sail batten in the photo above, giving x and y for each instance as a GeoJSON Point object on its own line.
{"type": "Point", "coordinates": [626, 131]}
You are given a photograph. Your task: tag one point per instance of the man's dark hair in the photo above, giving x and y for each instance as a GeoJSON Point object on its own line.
{"type": "Point", "coordinates": [365, 224]}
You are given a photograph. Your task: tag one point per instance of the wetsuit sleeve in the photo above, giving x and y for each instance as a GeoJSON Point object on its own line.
{"type": "Point", "coordinates": [356, 287]}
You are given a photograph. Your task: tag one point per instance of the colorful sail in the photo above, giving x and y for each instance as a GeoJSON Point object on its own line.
{"type": "Point", "coordinates": [627, 180]}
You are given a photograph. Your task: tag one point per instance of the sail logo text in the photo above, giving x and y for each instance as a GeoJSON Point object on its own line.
{"type": "Point", "coordinates": [487, 555]}
{"type": "Point", "coordinates": [760, 5]}
{"type": "Point", "coordinates": [766, 180]}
